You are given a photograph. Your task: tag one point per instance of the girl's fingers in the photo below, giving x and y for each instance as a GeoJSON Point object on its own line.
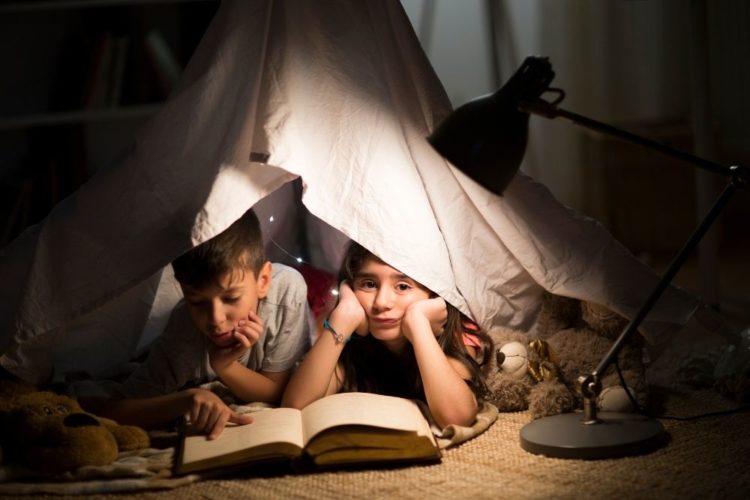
{"type": "Point", "coordinates": [362, 328]}
{"type": "Point", "coordinates": [345, 292]}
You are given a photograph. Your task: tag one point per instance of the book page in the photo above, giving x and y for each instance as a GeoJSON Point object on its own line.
{"type": "Point", "coordinates": [278, 425]}
{"type": "Point", "coordinates": [357, 408]}
{"type": "Point", "coordinates": [420, 451]}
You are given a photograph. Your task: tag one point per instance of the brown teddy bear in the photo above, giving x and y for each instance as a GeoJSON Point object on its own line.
{"type": "Point", "coordinates": [541, 375]}
{"type": "Point", "coordinates": [51, 434]}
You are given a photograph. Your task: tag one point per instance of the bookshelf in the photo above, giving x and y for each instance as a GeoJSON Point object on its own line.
{"type": "Point", "coordinates": [80, 77]}
{"type": "Point", "coordinates": [49, 5]}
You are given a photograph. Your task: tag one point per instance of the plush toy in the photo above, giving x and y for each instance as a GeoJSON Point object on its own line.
{"type": "Point", "coordinates": [541, 374]}
{"type": "Point", "coordinates": [50, 433]}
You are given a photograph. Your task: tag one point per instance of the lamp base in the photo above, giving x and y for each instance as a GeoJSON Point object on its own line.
{"type": "Point", "coordinates": [612, 435]}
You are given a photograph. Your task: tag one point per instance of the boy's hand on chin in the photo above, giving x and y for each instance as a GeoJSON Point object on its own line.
{"type": "Point", "coordinates": [246, 334]}
{"type": "Point", "coordinates": [433, 310]}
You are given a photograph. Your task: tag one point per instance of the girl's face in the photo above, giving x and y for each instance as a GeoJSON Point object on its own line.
{"type": "Point", "coordinates": [384, 294]}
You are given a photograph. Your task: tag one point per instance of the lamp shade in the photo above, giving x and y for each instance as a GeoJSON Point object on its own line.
{"type": "Point", "coordinates": [486, 137]}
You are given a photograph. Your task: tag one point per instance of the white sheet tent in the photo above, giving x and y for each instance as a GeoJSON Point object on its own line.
{"type": "Point", "coordinates": [340, 94]}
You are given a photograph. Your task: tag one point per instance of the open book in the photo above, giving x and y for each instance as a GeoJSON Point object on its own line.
{"type": "Point", "coordinates": [342, 429]}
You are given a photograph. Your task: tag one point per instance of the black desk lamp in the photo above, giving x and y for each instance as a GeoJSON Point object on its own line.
{"type": "Point", "coordinates": [486, 139]}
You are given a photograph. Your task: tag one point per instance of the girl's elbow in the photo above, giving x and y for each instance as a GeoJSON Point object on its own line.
{"type": "Point", "coordinates": [458, 416]}
{"type": "Point", "coordinates": [463, 420]}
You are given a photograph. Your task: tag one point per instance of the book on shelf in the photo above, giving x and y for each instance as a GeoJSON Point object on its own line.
{"type": "Point", "coordinates": [117, 72]}
{"type": "Point", "coordinates": [106, 72]}
{"type": "Point", "coordinates": [164, 61]}
{"type": "Point", "coordinates": [95, 95]}
{"type": "Point", "coordinates": [346, 429]}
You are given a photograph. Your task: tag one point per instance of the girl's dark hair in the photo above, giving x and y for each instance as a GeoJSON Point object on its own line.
{"type": "Point", "coordinates": [240, 245]}
{"type": "Point", "coordinates": [369, 366]}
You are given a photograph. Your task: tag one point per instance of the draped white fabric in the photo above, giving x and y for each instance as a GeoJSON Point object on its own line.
{"type": "Point", "coordinates": [340, 94]}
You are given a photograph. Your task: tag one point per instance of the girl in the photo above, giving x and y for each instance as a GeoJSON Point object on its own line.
{"type": "Point", "coordinates": [390, 335]}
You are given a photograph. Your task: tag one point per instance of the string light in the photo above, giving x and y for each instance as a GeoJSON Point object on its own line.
{"type": "Point", "coordinates": [300, 260]}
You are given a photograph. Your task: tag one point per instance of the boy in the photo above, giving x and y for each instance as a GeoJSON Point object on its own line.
{"type": "Point", "coordinates": [242, 322]}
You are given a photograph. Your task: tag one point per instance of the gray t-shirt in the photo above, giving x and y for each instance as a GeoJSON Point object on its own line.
{"type": "Point", "coordinates": [179, 357]}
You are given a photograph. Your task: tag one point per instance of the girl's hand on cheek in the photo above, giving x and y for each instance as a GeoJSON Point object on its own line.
{"type": "Point", "coordinates": [349, 313]}
{"type": "Point", "coordinates": [426, 311]}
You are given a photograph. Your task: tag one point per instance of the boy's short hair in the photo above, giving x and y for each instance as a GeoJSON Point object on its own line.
{"type": "Point", "coordinates": [240, 245]}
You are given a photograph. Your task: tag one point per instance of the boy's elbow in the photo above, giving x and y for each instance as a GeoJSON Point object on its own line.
{"type": "Point", "coordinates": [111, 409]}
{"type": "Point", "coordinates": [95, 405]}
{"type": "Point", "coordinates": [276, 395]}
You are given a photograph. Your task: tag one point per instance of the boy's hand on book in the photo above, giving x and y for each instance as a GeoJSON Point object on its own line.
{"type": "Point", "coordinates": [246, 333]}
{"type": "Point", "coordinates": [209, 414]}
{"type": "Point", "coordinates": [348, 312]}
{"type": "Point", "coordinates": [433, 311]}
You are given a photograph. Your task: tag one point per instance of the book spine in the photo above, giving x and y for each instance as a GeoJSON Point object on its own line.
{"type": "Point", "coordinates": [121, 46]}
{"type": "Point", "coordinates": [165, 63]}
{"type": "Point", "coordinates": [179, 451]}
{"type": "Point", "coordinates": [96, 91]}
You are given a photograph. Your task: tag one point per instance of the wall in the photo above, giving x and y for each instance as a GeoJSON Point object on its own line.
{"type": "Point", "coordinates": [627, 62]}
{"type": "Point", "coordinates": [78, 79]}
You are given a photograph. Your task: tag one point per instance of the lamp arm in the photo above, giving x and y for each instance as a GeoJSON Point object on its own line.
{"type": "Point", "coordinates": [547, 109]}
{"type": "Point", "coordinates": [590, 385]}
{"type": "Point", "coordinates": [671, 272]}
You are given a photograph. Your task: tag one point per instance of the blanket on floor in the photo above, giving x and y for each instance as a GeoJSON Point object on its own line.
{"type": "Point", "coordinates": [151, 469]}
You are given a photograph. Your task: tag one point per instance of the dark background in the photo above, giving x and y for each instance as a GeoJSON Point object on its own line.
{"type": "Point", "coordinates": [79, 80]}
{"type": "Point", "coordinates": [57, 129]}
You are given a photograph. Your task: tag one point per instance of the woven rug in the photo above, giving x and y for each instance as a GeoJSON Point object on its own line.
{"type": "Point", "coordinates": [706, 458]}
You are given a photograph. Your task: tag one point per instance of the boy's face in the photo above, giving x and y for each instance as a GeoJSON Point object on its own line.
{"type": "Point", "coordinates": [217, 309]}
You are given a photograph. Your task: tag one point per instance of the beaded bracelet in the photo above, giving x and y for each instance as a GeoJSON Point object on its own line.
{"type": "Point", "coordinates": [340, 339]}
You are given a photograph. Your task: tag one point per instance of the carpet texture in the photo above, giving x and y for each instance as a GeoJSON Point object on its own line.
{"type": "Point", "coordinates": [705, 458]}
